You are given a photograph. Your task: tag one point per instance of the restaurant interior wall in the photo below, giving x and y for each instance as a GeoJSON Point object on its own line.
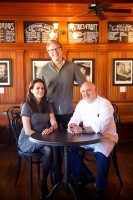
{"type": "Point", "coordinates": [103, 52]}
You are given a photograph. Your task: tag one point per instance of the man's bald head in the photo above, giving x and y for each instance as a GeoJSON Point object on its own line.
{"type": "Point", "coordinates": [88, 91]}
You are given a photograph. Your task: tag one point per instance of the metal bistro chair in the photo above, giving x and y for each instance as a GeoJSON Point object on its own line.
{"type": "Point", "coordinates": [11, 112]}
{"type": "Point", "coordinates": [85, 152]}
{"type": "Point", "coordinates": [16, 127]}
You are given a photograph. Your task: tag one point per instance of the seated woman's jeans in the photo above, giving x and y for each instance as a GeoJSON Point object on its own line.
{"type": "Point", "coordinates": [82, 173]}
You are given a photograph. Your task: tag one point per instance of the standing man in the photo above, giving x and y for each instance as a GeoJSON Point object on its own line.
{"type": "Point", "coordinates": [96, 115]}
{"type": "Point", "coordinates": [59, 76]}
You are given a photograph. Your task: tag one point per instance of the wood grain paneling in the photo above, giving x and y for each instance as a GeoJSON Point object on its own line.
{"type": "Point", "coordinates": [103, 53]}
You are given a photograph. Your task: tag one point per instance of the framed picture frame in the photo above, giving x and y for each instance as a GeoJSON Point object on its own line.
{"type": "Point", "coordinates": [122, 71]}
{"type": "Point", "coordinates": [86, 66]}
{"type": "Point", "coordinates": [5, 72]}
{"type": "Point", "coordinates": [36, 65]}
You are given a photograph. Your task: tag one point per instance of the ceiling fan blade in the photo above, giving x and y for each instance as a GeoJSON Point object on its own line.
{"type": "Point", "coordinates": [103, 5]}
{"type": "Point", "coordinates": [81, 14]}
{"type": "Point", "coordinates": [118, 10]}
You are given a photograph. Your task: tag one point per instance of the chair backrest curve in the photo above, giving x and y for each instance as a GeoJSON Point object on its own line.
{"type": "Point", "coordinates": [16, 126]}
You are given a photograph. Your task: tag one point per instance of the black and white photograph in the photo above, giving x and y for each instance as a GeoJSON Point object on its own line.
{"type": "Point", "coordinates": [122, 71]}
{"type": "Point", "coordinates": [86, 66]}
{"type": "Point", "coordinates": [5, 72]}
{"type": "Point", "coordinates": [36, 65]}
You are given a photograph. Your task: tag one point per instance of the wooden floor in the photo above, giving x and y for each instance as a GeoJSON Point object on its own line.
{"type": "Point", "coordinates": [21, 192]}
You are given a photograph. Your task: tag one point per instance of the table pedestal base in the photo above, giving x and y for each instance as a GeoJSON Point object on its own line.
{"type": "Point", "coordinates": [65, 183]}
{"type": "Point", "coordinates": [66, 187]}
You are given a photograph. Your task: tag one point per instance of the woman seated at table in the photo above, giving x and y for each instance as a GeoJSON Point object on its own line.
{"type": "Point", "coordinates": [36, 114]}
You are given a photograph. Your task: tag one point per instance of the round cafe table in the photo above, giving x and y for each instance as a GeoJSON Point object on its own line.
{"type": "Point", "coordinates": [65, 139]}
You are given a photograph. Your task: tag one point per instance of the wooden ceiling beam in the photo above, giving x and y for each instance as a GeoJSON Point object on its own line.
{"type": "Point", "coordinates": [56, 9]}
{"type": "Point", "coordinates": [68, 1]}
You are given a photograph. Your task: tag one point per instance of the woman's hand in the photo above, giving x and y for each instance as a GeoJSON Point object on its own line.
{"type": "Point", "coordinates": [48, 130]}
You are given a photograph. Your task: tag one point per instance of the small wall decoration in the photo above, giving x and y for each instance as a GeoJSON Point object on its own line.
{"type": "Point", "coordinates": [36, 65]}
{"type": "Point", "coordinates": [5, 72]}
{"type": "Point", "coordinates": [123, 71]}
{"type": "Point", "coordinates": [86, 66]}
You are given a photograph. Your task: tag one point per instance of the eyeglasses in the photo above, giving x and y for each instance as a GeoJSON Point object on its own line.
{"type": "Point", "coordinates": [56, 49]}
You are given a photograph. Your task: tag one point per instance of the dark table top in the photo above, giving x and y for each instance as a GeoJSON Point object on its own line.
{"type": "Point", "coordinates": [63, 138]}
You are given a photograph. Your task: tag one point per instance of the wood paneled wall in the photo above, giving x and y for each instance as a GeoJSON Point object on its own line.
{"type": "Point", "coordinates": [103, 53]}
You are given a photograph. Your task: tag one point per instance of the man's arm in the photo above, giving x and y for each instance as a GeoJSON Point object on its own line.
{"type": "Point", "coordinates": [76, 129]}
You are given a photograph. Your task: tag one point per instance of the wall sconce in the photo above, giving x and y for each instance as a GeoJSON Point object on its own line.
{"type": "Point", "coordinates": [54, 33]}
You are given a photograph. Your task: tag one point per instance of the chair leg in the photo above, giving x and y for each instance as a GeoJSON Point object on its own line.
{"type": "Point", "coordinates": [114, 158]}
{"type": "Point", "coordinates": [18, 169]}
{"type": "Point", "coordinates": [38, 166]}
{"type": "Point", "coordinates": [30, 172]}
{"type": "Point", "coordinates": [9, 130]}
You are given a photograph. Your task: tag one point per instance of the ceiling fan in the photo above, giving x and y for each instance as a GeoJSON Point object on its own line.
{"type": "Point", "coordinates": [98, 9]}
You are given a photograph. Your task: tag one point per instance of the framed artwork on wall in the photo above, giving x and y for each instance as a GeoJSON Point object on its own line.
{"type": "Point", "coordinates": [36, 65]}
{"type": "Point", "coordinates": [7, 31]}
{"type": "Point", "coordinates": [5, 73]}
{"type": "Point", "coordinates": [86, 66]}
{"type": "Point", "coordinates": [38, 31]}
{"type": "Point", "coordinates": [120, 32]}
{"type": "Point", "coordinates": [87, 32]}
{"type": "Point", "coordinates": [123, 71]}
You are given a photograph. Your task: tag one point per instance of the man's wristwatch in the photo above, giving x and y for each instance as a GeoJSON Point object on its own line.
{"type": "Point", "coordinates": [83, 130]}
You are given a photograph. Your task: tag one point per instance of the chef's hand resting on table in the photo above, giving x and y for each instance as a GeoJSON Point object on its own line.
{"type": "Point", "coordinates": [76, 129]}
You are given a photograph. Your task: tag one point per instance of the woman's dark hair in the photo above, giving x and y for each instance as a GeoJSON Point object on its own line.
{"type": "Point", "coordinates": [31, 101]}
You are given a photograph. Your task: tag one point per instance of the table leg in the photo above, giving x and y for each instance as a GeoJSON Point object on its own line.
{"type": "Point", "coordinates": [66, 185]}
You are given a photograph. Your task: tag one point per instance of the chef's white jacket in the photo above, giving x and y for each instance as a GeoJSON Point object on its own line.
{"type": "Point", "coordinates": [98, 115]}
